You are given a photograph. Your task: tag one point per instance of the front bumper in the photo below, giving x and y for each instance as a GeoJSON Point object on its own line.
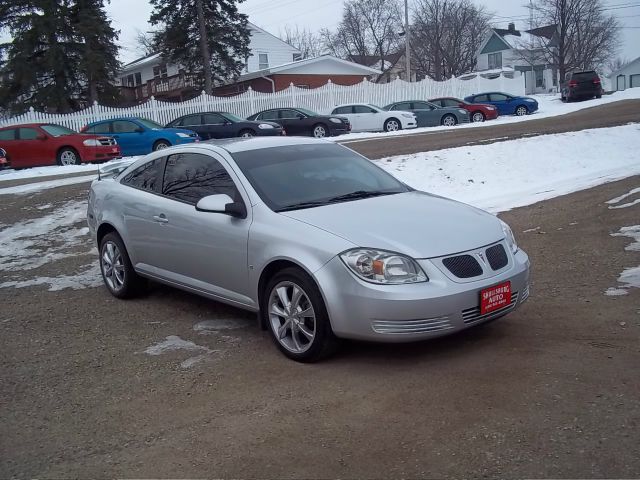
{"type": "Point", "coordinates": [491, 114]}
{"type": "Point", "coordinates": [411, 312]}
{"type": "Point", "coordinates": [100, 154]}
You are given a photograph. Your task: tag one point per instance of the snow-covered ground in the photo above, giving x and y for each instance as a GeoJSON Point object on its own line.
{"type": "Point", "coordinates": [550, 106]}
{"type": "Point", "coordinates": [501, 176]}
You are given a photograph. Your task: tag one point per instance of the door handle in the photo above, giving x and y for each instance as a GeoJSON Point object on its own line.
{"type": "Point", "coordinates": [161, 218]}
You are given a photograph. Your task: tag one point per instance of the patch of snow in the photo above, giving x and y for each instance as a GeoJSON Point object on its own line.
{"type": "Point", "coordinates": [173, 343]}
{"type": "Point", "coordinates": [46, 206]}
{"type": "Point", "coordinates": [615, 292]}
{"type": "Point", "coordinates": [57, 170]}
{"type": "Point", "coordinates": [630, 277]}
{"type": "Point", "coordinates": [208, 326]}
{"type": "Point", "coordinates": [39, 186]}
{"type": "Point", "coordinates": [631, 232]}
{"type": "Point", "coordinates": [622, 197]}
{"type": "Point", "coordinates": [89, 277]}
{"type": "Point", "coordinates": [191, 361]}
{"type": "Point", "coordinates": [530, 230]}
{"type": "Point", "coordinates": [514, 173]}
{"type": "Point", "coordinates": [550, 105]}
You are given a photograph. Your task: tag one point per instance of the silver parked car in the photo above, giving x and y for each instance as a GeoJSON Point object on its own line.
{"type": "Point", "coordinates": [313, 236]}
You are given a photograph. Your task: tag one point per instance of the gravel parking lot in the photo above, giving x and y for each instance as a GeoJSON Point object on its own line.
{"type": "Point", "coordinates": [172, 385]}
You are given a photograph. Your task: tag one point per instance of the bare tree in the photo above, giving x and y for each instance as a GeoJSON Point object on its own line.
{"type": "Point", "coordinates": [145, 43]}
{"type": "Point", "coordinates": [368, 28]}
{"type": "Point", "coordinates": [586, 36]}
{"type": "Point", "coordinates": [309, 43]}
{"type": "Point", "coordinates": [616, 64]}
{"type": "Point", "coordinates": [446, 35]}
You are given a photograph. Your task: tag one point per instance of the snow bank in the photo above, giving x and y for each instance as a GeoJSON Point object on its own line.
{"type": "Point", "coordinates": [505, 175]}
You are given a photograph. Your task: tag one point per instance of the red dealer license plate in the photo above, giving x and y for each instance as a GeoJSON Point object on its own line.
{"type": "Point", "coordinates": [495, 298]}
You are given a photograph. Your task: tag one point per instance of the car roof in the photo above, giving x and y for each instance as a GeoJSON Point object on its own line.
{"type": "Point", "coordinates": [115, 119]}
{"type": "Point", "coordinates": [23, 125]}
{"type": "Point", "coordinates": [234, 145]}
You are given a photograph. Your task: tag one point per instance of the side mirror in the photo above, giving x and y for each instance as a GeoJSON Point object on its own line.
{"type": "Point", "coordinates": [41, 137]}
{"type": "Point", "coordinates": [222, 203]}
{"type": "Point", "coordinates": [301, 116]}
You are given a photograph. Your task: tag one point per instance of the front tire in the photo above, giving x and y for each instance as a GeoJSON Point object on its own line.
{"type": "Point", "coordinates": [449, 120]}
{"type": "Point", "coordinates": [117, 271]}
{"type": "Point", "coordinates": [521, 111]}
{"type": "Point", "coordinates": [161, 145]}
{"type": "Point", "coordinates": [296, 316]}
{"type": "Point", "coordinates": [320, 131]}
{"type": "Point", "coordinates": [477, 117]}
{"type": "Point", "coordinates": [68, 156]}
{"type": "Point", "coordinates": [247, 133]}
{"type": "Point", "coordinates": [392, 125]}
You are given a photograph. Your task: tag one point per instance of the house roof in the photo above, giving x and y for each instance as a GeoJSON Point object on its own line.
{"type": "Point", "coordinates": [521, 39]}
{"type": "Point", "coordinates": [374, 60]}
{"type": "Point", "coordinates": [306, 64]}
{"type": "Point", "coordinates": [624, 67]}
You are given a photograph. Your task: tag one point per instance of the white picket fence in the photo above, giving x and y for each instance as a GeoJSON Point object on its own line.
{"type": "Point", "coordinates": [321, 100]}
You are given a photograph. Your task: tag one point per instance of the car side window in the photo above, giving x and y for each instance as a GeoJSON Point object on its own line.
{"type": "Point", "coordinates": [270, 115]}
{"type": "Point", "coordinates": [124, 126]}
{"type": "Point", "coordinates": [421, 106]}
{"type": "Point", "coordinates": [402, 106]}
{"type": "Point", "coordinates": [289, 114]}
{"type": "Point", "coordinates": [192, 120]}
{"type": "Point", "coordinates": [100, 128]}
{"type": "Point", "coordinates": [363, 109]}
{"type": "Point", "coordinates": [449, 102]}
{"type": "Point", "coordinates": [146, 177]}
{"type": "Point", "coordinates": [498, 97]}
{"type": "Point", "coordinates": [343, 110]}
{"type": "Point", "coordinates": [9, 134]}
{"type": "Point", "coordinates": [213, 119]}
{"type": "Point", "coordinates": [481, 98]}
{"type": "Point", "coordinates": [188, 177]}
{"type": "Point", "coordinates": [27, 133]}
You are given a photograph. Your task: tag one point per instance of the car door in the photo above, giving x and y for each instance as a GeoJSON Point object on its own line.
{"type": "Point", "coordinates": [503, 102]}
{"type": "Point", "coordinates": [368, 118]}
{"type": "Point", "coordinates": [427, 115]}
{"type": "Point", "coordinates": [195, 123]}
{"type": "Point", "coordinates": [218, 126]}
{"type": "Point", "coordinates": [9, 142]}
{"type": "Point", "coordinates": [271, 116]}
{"type": "Point", "coordinates": [346, 111]}
{"type": "Point", "coordinates": [202, 250]}
{"type": "Point", "coordinates": [130, 137]}
{"type": "Point", "coordinates": [292, 123]}
{"type": "Point", "coordinates": [34, 147]}
{"type": "Point", "coordinates": [483, 98]}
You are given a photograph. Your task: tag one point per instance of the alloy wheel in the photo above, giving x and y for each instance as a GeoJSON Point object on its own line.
{"type": "Point", "coordinates": [521, 111]}
{"type": "Point", "coordinates": [393, 126]}
{"type": "Point", "coordinates": [449, 121]}
{"type": "Point", "coordinates": [161, 146]}
{"type": "Point", "coordinates": [112, 266]}
{"type": "Point", "coordinates": [292, 317]}
{"type": "Point", "coordinates": [319, 132]}
{"type": "Point", "coordinates": [68, 157]}
{"type": "Point", "coordinates": [478, 117]}
{"type": "Point", "coordinates": [246, 135]}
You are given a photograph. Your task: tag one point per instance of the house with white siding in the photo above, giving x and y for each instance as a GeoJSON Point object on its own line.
{"type": "Point", "coordinates": [152, 76]}
{"type": "Point", "coordinates": [626, 77]}
{"type": "Point", "coordinates": [523, 51]}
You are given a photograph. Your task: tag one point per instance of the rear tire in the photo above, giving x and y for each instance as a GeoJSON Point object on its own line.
{"type": "Point", "coordinates": [521, 111]}
{"type": "Point", "coordinates": [117, 271]}
{"type": "Point", "coordinates": [161, 145]}
{"type": "Point", "coordinates": [449, 120]}
{"type": "Point", "coordinates": [296, 317]}
{"type": "Point", "coordinates": [68, 156]}
{"type": "Point", "coordinates": [477, 117]}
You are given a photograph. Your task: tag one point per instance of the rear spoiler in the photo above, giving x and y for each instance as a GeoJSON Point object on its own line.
{"type": "Point", "coordinates": [113, 169]}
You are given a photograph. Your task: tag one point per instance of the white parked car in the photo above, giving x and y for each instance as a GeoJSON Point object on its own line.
{"type": "Point", "coordinates": [365, 117]}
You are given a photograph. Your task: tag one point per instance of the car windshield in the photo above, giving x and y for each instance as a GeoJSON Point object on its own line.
{"type": "Point", "coordinates": [150, 124]}
{"type": "Point", "coordinates": [308, 112]}
{"type": "Point", "coordinates": [374, 106]}
{"type": "Point", "coordinates": [58, 130]}
{"type": "Point", "coordinates": [304, 176]}
{"type": "Point", "coordinates": [232, 117]}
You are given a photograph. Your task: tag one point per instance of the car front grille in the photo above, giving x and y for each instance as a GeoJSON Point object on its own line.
{"type": "Point", "coordinates": [463, 266]}
{"type": "Point", "coordinates": [472, 315]}
{"type": "Point", "coordinates": [107, 141]}
{"type": "Point", "coordinates": [497, 257]}
{"type": "Point", "coordinates": [423, 325]}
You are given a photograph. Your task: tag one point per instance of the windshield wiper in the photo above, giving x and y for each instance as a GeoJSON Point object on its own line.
{"type": "Point", "coordinates": [358, 195]}
{"type": "Point", "coordinates": [297, 206]}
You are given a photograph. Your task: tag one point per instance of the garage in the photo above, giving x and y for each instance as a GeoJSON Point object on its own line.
{"type": "Point", "coordinates": [628, 76]}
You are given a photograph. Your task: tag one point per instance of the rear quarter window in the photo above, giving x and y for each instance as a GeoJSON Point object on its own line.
{"type": "Point", "coordinates": [8, 134]}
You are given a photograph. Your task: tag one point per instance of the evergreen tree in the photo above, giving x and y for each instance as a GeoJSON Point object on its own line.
{"type": "Point", "coordinates": [62, 54]}
{"type": "Point", "coordinates": [209, 38]}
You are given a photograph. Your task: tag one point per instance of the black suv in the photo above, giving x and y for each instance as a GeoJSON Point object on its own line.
{"type": "Point", "coordinates": [581, 85]}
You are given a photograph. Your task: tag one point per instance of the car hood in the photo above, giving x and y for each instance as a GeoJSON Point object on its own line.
{"type": "Point", "coordinates": [414, 223]}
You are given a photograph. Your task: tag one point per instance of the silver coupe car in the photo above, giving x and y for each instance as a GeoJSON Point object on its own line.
{"type": "Point", "coordinates": [313, 236]}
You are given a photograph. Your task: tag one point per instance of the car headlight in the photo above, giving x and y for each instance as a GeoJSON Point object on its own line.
{"type": "Point", "coordinates": [265, 126]}
{"type": "Point", "coordinates": [462, 111]}
{"type": "Point", "coordinates": [335, 120]}
{"type": "Point", "coordinates": [379, 266]}
{"type": "Point", "coordinates": [91, 142]}
{"type": "Point", "coordinates": [509, 237]}
{"type": "Point", "coordinates": [183, 135]}
{"type": "Point", "coordinates": [408, 115]}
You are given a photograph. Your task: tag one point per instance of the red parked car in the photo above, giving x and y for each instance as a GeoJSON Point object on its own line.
{"type": "Point", "coordinates": [478, 112]}
{"type": "Point", "coordinates": [36, 144]}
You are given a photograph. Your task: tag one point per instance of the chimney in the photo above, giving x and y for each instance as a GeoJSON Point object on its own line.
{"type": "Point", "coordinates": [512, 28]}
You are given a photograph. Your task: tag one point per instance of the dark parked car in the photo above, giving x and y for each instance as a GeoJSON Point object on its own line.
{"type": "Point", "coordinates": [225, 125]}
{"type": "Point", "coordinates": [430, 115]}
{"type": "Point", "coordinates": [300, 121]}
{"type": "Point", "coordinates": [581, 85]}
{"type": "Point", "coordinates": [477, 111]}
{"type": "Point", "coordinates": [505, 103]}
{"type": "Point", "coordinates": [36, 144]}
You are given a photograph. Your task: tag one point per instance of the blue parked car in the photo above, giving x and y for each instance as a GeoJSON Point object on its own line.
{"type": "Point", "coordinates": [139, 136]}
{"type": "Point", "coordinates": [505, 103]}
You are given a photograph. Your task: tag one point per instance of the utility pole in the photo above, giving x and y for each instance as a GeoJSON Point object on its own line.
{"type": "Point", "coordinates": [407, 36]}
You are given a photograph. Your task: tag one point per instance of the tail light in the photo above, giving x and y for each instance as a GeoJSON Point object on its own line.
{"type": "Point", "coordinates": [573, 83]}
{"type": "Point", "coordinates": [596, 81]}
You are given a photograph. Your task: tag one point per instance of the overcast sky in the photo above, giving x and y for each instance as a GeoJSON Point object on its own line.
{"type": "Point", "coordinates": [273, 15]}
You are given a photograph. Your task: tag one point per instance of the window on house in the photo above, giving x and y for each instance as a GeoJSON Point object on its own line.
{"type": "Point", "coordinates": [297, 56]}
{"type": "Point", "coordinates": [263, 61]}
{"type": "Point", "coordinates": [127, 81]}
{"type": "Point", "coordinates": [160, 71]}
{"type": "Point", "coordinates": [495, 60]}
{"type": "Point", "coordinates": [138, 78]}
{"type": "Point", "coordinates": [539, 78]}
